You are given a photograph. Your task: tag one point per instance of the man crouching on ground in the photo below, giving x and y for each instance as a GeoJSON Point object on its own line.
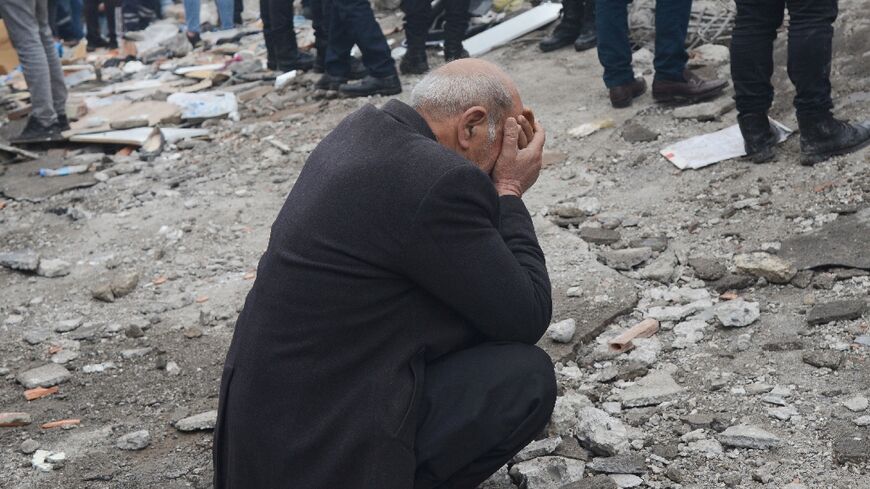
{"type": "Point", "coordinates": [388, 341]}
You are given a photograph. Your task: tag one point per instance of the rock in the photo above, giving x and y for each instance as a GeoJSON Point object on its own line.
{"type": "Point", "coordinates": [45, 376]}
{"type": "Point", "coordinates": [747, 436]}
{"type": "Point", "coordinates": [46, 461]}
{"type": "Point", "coordinates": [103, 292]}
{"type": "Point", "coordinates": [26, 261]}
{"type": "Point", "coordinates": [628, 463]}
{"type": "Point", "coordinates": [64, 356]}
{"type": "Point", "coordinates": [856, 404]}
{"type": "Point", "coordinates": [851, 448]}
{"type": "Point", "coordinates": [11, 420]}
{"type": "Point", "coordinates": [824, 359]}
{"type": "Point", "coordinates": [655, 243]}
{"type": "Point", "coordinates": [599, 236]}
{"type": "Point", "coordinates": [733, 281]}
{"type": "Point", "coordinates": [29, 446]}
{"type": "Point", "coordinates": [133, 331]}
{"type": "Point", "coordinates": [67, 325]}
{"type": "Point", "coordinates": [707, 448]}
{"type": "Point", "coordinates": [783, 413]}
{"type": "Point", "coordinates": [675, 474]}
{"type": "Point", "coordinates": [862, 421]}
{"type": "Point", "coordinates": [633, 132]}
{"type": "Point", "coordinates": [707, 269]}
{"type": "Point", "coordinates": [547, 472]}
{"type": "Point", "coordinates": [537, 449]}
{"type": "Point", "coordinates": [771, 267]}
{"type": "Point", "coordinates": [199, 422]}
{"type": "Point", "coordinates": [667, 452]}
{"type": "Point", "coordinates": [710, 55]}
{"type": "Point", "coordinates": [136, 440]}
{"type": "Point", "coordinates": [625, 259]}
{"type": "Point", "coordinates": [499, 480]}
{"type": "Point", "coordinates": [655, 388]}
{"type": "Point", "coordinates": [765, 473]}
{"type": "Point", "coordinates": [626, 480]}
{"type": "Point", "coordinates": [129, 123]}
{"type": "Point", "coordinates": [582, 207]}
{"type": "Point", "coordinates": [563, 331]}
{"type": "Point", "coordinates": [595, 482]}
{"type": "Point", "coordinates": [601, 433]}
{"type": "Point", "coordinates": [172, 368]}
{"type": "Point", "coordinates": [124, 283]}
{"type": "Point", "coordinates": [802, 279]}
{"type": "Point", "coordinates": [705, 111]}
{"type": "Point", "coordinates": [836, 311]}
{"type": "Point", "coordinates": [566, 412]}
{"type": "Point", "coordinates": [677, 313]}
{"type": "Point", "coordinates": [688, 333]}
{"type": "Point", "coordinates": [737, 313]}
{"type": "Point", "coordinates": [36, 336]}
{"type": "Point", "coordinates": [645, 352]}
{"type": "Point", "coordinates": [662, 269]}
{"type": "Point", "coordinates": [51, 268]}
{"type": "Point", "coordinates": [783, 344]}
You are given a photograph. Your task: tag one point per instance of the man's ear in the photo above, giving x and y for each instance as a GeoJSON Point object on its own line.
{"type": "Point", "coordinates": [472, 123]}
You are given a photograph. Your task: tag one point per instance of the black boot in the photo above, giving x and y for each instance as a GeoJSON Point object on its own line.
{"type": "Point", "coordinates": [329, 82]}
{"type": "Point", "coordinates": [303, 62]}
{"type": "Point", "coordinates": [388, 85]}
{"type": "Point", "coordinates": [759, 137]}
{"type": "Point", "coordinates": [358, 70]}
{"type": "Point", "coordinates": [414, 62]}
{"type": "Point", "coordinates": [35, 132]}
{"type": "Point", "coordinates": [588, 37]}
{"type": "Point", "coordinates": [454, 51]}
{"type": "Point", "coordinates": [62, 122]}
{"type": "Point", "coordinates": [823, 136]}
{"type": "Point", "coordinates": [567, 30]}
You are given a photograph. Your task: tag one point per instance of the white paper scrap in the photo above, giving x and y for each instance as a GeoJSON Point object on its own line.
{"type": "Point", "coordinates": [707, 149]}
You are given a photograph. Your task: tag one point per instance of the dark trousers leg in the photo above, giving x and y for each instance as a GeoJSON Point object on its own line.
{"type": "Point", "coordinates": [92, 20]}
{"type": "Point", "coordinates": [418, 19]}
{"type": "Point", "coordinates": [280, 33]}
{"type": "Point", "coordinates": [266, 17]}
{"type": "Point", "coordinates": [456, 18]}
{"type": "Point", "coordinates": [112, 7]}
{"type": "Point", "coordinates": [672, 24]}
{"type": "Point", "coordinates": [353, 22]}
{"type": "Point", "coordinates": [614, 49]}
{"type": "Point", "coordinates": [480, 407]}
{"type": "Point", "coordinates": [752, 53]}
{"type": "Point", "coordinates": [238, 8]}
{"type": "Point", "coordinates": [810, 35]}
{"type": "Point", "coordinates": [320, 17]}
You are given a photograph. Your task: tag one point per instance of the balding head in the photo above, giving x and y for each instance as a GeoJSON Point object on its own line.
{"type": "Point", "coordinates": [451, 97]}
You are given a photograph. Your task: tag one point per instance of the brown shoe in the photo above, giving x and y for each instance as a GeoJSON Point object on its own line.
{"type": "Point", "coordinates": [621, 96]}
{"type": "Point", "coordinates": [693, 89]}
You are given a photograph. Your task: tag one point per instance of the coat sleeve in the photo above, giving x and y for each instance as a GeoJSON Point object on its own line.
{"type": "Point", "coordinates": [478, 254]}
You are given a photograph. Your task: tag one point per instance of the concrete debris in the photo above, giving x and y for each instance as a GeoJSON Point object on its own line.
{"type": "Point", "coordinates": [10, 420]}
{"type": "Point", "coordinates": [824, 359]}
{"type": "Point", "coordinates": [25, 261]}
{"type": "Point", "coordinates": [136, 440]}
{"type": "Point", "coordinates": [628, 463]}
{"type": "Point", "coordinates": [737, 313]}
{"type": "Point", "coordinates": [706, 111]}
{"type": "Point", "coordinates": [846, 310]}
{"type": "Point", "coordinates": [46, 461]}
{"type": "Point", "coordinates": [655, 388]}
{"type": "Point", "coordinates": [563, 331]}
{"type": "Point", "coordinates": [601, 433]}
{"type": "Point", "coordinates": [774, 269]}
{"type": "Point", "coordinates": [539, 448]}
{"type": "Point", "coordinates": [547, 472]}
{"type": "Point", "coordinates": [200, 422]}
{"type": "Point", "coordinates": [626, 480]}
{"type": "Point", "coordinates": [51, 268]}
{"type": "Point", "coordinates": [45, 376]}
{"type": "Point", "coordinates": [856, 404]}
{"type": "Point", "coordinates": [747, 436]}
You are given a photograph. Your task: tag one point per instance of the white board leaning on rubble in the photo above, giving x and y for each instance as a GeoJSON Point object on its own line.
{"type": "Point", "coordinates": [513, 28]}
{"type": "Point", "coordinates": [707, 149]}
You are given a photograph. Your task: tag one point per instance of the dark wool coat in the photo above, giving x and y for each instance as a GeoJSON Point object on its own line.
{"type": "Point", "coordinates": [389, 252]}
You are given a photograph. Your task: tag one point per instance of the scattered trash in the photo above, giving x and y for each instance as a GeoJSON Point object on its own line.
{"type": "Point", "coordinates": [63, 171]}
{"type": "Point", "coordinates": [282, 80]}
{"type": "Point", "coordinates": [643, 329]}
{"type": "Point", "coordinates": [206, 105]}
{"type": "Point", "coordinates": [513, 28]}
{"type": "Point", "coordinates": [707, 149]}
{"type": "Point", "coordinates": [39, 392]}
{"type": "Point", "coordinates": [61, 423]}
{"type": "Point", "coordinates": [589, 128]}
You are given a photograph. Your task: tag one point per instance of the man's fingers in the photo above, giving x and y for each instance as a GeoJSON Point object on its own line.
{"type": "Point", "coordinates": [527, 130]}
{"type": "Point", "coordinates": [511, 139]}
{"type": "Point", "coordinates": [540, 137]}
{"type": "Point", "coordinates": [522, 140]}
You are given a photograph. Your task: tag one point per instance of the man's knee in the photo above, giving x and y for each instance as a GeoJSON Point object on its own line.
{"type": "Point", "coordinates": [532, 373]}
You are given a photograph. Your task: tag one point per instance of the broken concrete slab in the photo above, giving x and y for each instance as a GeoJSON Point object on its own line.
{"type": "Point", "coordinates": [25, 260]}
{"type": "Point", "coordinates": [45, 376]}
{"type": "Point", "coordinates": [747, 436]}
{"type": "Point", "coordinates": [841, 243]}
{"type": "Point", "coordinates": [846, 310]}
{"type": "Point", "coordinates": [517, 26]}
{"type": "Point", "coordinates": [771, 267]}
{"type": "Point", "coordinates": [655, 388]}
{"type": "Point", "coordinates": [625, 259]}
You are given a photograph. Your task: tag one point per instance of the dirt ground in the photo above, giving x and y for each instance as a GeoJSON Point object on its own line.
{"type": "Point", "coordinates": [193, 223]}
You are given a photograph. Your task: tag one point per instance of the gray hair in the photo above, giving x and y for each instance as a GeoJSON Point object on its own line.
{"type": "Point", "coordinates": [444, 95]}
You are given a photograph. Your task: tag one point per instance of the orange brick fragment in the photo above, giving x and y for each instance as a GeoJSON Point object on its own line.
{"type": "Point", "coordinates": [728, 296]}
{"type": "Point", "coordinates": [61, 423]}
{"type": "Point", "coordinates": [39, 392]}
{"type": "Point", "coordinates": [201, 299]}
{"type": "Point", "coordinates": [160, 280]}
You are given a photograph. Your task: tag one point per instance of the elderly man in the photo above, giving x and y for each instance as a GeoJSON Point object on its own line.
{"type": "Point", "coordinates": [388, 341]}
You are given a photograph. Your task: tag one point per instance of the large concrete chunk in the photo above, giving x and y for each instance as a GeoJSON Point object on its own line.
{"type": "Point", "coordinates": [198, 422]}
{"type": "Point", "coordinates": [26, 261]}
{"type": "Point", "coordinates": [836, 311]}
{"type": "Point", "coordinates": [774, 269]}
{"type": "Point", "coordinates": [655, 388]}
{"type": "Point", "coordinates": [840, 243]}
{"type": "Point", "coordinates": [547, 472]}
{"type": "Point", "coordinates": [44, 376]}
{"type": "Point", "coordinates": [747, 436]}
{"type": "Point", "coordinates": [601, 433]}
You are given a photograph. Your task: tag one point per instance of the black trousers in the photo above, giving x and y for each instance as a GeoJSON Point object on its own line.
{"type": "Point", "coordinates": [353, 22]}
{"type": "Point", "coordinates": [810, 35]}
{"type": "Point", "coordinates": [92, 18]}
{"type": "Point", "coordinates": [279, 34]}
{"type": "Point", "coordinates": [320, 12]}
{"type": "Point", "coordinates": [418, 20]}
{"type": "Point", "coordinates": [480, 407]}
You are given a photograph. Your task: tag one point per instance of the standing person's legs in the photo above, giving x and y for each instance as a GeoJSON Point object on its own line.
{"type": "Point", "coordinates": [752, 53]}
{"type": "Point", "coordinates": [363, 30]}
{"type": "Point", "coordinates": [339, 42]}
{"type": "Point", "coordinates": [55, 72]}
{"type": "Point", "coordinates": [614, 49]}
{"type": "Point", "coordinates": [672, 24]}
{"type": "Point", "coordinates": [25, 33]}
{"type": "Point", "coordinates": [225, 13]}
{"type": "Point", "coordinates": [238, 8]}
{"type": "Point", "coordinates": [480, 407]}
{"type": "Point", "coordinates": [191, 15]}
{"type": "Point", "coordinates": [112, 7]}
{"type": "Point", "coordinates": [283, 36]}
{"type": "Point", "coordinates": [320, 23]}
{"type": "Point", "coordinates": [456, 19]}
{"type": "Point", "coordinates": [810, 39]}
{"type": "Point", "coordinates": [92, 21]}
{"type": "Point", "coordinates": [418, 19]}
{"type": "Point", "coordinates": [268, 37]}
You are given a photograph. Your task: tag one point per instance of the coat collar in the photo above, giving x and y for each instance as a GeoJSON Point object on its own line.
{"type": "Point", "coordinates": [405, 114]}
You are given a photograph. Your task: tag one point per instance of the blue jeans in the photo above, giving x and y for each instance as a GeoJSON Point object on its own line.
{"type": "Point", "coordinates": [614, 48]}
{"type": "Point", "coordinates": [353, 22]}
{"type": "Point", "coordinates": [191, 14]}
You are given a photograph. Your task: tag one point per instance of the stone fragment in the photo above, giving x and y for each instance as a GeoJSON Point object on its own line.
{"type": "Point", "coordinates": [836, 311]}
{"type": "Point", "coordinates": [705, 111]}
{"type": "Point", "coordinates": [626, 481]}
{"type": "Point", "coordinates": [862, 421]}
{"type": "Point", "coordinates": [199, 422]}
{"type": "Point", "coordinates": [44, 376]}
{"type": "Point", "coordinates": [51, 268]}
{"type": "Point", "coordinates": [783, 344]}
{"type": "Point", "coordinates": [595, 482]}
{"type": "Point", "coordinates": [103, 292]}
{"type": "Point", "coordinates": [625, 259]}
{"type": "Point", "coordinates": [771, 267]}
{"type": "Point", "coordinates": [633, 132]}
{"type": "Point", "coordinates": [26, 260]}
{"type": "Point", "coordinates": [582, 207]}
{"type": "Point", "coordinates": [707, 269]}
{"type": "Point", "coordinates": [645, 352]}
{"type": "Point", "coordinates": [46, 461]}
{"type": "Point", "coordinates": [677, 313]}
{"type": "Point", "coordinates": [737, 313]}
{"type": "Point", "coordinates": [710, 55]}
{"type": "Point", "coordinates": [655, 243]}
{"type": "Point", "coordinates": [627, 463]}
{"type": "Point", "coordinates": [689, 333]}
{"type": "Point", "coordinates": [662, 269]}
{"type": "Point", "coordinates": [747, 436]}
{"type": "Point", "coordinates": [765, 473]}
{"type": "Point", "coordinates": [136, 352]}
{"type": "Point", "coordinates": [824, 359]}
{"type": "Point", "coordinates": [708, 448]}
{"type": "Point", "coordinates": [64, 356]}
{"type": "Point", "coordinates": [67, 325]}
{"type": "Point", "coordinates": [852, 448]}
{"type": "Point", "coordinates": [802, 279]}
{"type": "Point", "coordinates": [538, 448]}
{"type": "Point", "coordinates": [563, 331]}
{"type": "Point", "coordinates": [599, 236]}
{"type": "Point", "coordinates": [124, 283]}
{"type": "Point", "coordinates": [655, 388]}
{"type": "Point", "coordinates": [856, 404]}
{"type": "Point", "coordinates": [11, 420]}
{"type": "Point", "coordinates": [571, 448]}
{"type": "Point", "coordinates": [675, 474]}
{"type": "Point", "coordinates": [36, 336]}
{"type": "Point", "coordinates": [547, 472]}
{"type": "Point", "coordinates": [733, 281]}
{"type": "Point", "coordinates": [29, 446]}
{"type": "Point", "coordinates": [566, 413]}
{"type": "Point", "coordinates": [783, 413]}
{"type": "Point", "coordinates": [133, 331]}
{"type": "Point", "coordinates": [136, 440]}
{"type": "Point", "coordinates": [601, 433]}
{"type": "Point", "coordinates": [499, 480]}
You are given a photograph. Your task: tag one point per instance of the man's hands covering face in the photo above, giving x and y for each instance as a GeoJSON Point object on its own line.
{"type": "Point", "coordinates": [519, 162]}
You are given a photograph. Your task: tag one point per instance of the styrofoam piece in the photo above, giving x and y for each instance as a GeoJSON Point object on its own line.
{"type": "Point", "coordinates": [138, 136]}
{"type": "Point", "coordinates": [513, 28]}
{"type": "Point", "coordinates": [283, 79]}
{"type": "Point", "coordinates": [208, 67]}
{"type": "Point", "coordinates": [205, 105]}
{"type": "Point", "coordinates": [707, 149]}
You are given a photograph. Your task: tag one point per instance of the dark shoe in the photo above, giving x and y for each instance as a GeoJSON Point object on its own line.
{"type": "Point", "coordinates": [389, 85]}
{"type": "Point", "coordinates": [823, 137]}
{"type": "Point", "coordinates": [194, 39]}
{"type": "Point", "coordinates": [303, 62]}
{"type": "Point", "coordinates": [94, 44]}
{"type": "Point", "coordinates": [567, 29]}
{"type": "Point", "coordinates": [588, 36]}
{"type": "Point", "coordinates": [621, 96]}
{"type": "Point", "coordinates": [585, 41]}
{"type": "Point", "coordinates": [319, 64]}
{"type": "Point", "coordinates": [692, 89]}
{"type": "Point", "coordinates": [759, 136]}
{"type": "Point", "coordinates": [358, 70]}
{"type": "Point", "coordinates": [414, 62]}
{"type": "Point", "coordinates": [452, 52]}
{"type": "Point", "coordinates": [35, 132]}
{"type": "Point", "coordinates": [113, 43]}
{"type": "Point", "coordinates": [62, 122]}
{"type": "Point", "coordinates": [329, 82]}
